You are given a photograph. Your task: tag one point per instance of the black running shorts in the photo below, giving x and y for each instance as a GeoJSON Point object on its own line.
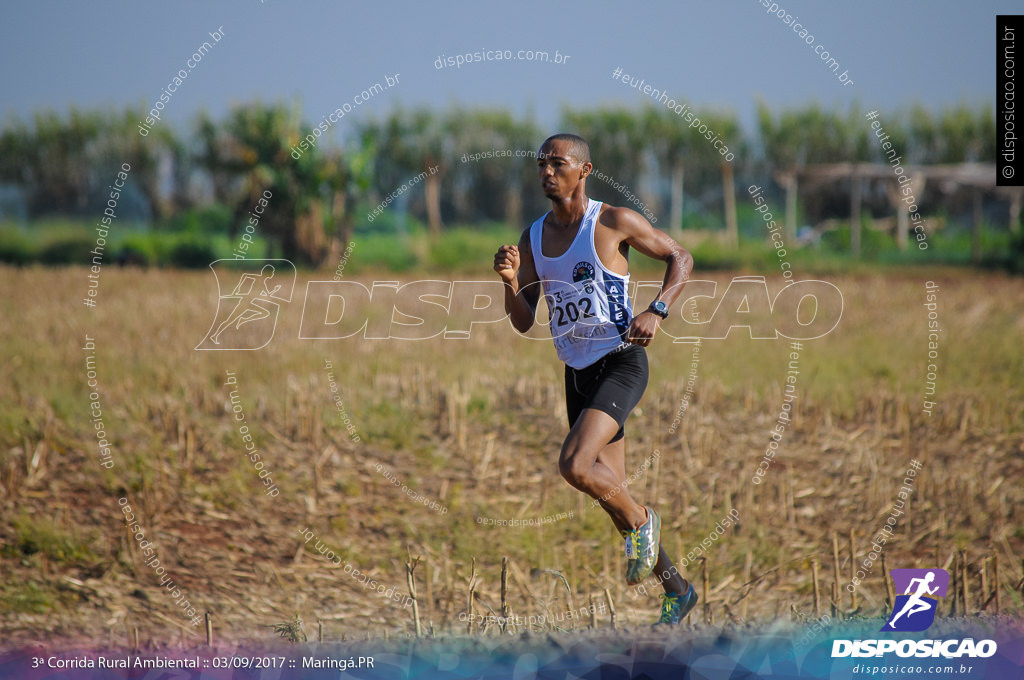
{"type": "Point", "coordinates": [612, 384]}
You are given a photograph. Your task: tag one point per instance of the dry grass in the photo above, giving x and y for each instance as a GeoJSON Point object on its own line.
{"type": "Point", "coordinates": [476, 425]}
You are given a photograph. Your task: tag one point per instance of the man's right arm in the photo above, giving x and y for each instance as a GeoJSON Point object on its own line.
{"type": "Point", "coordinates": [514, 265]}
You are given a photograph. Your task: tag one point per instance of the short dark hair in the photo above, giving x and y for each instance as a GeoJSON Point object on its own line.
{"type": "Point", "coordinates": [580, 148]}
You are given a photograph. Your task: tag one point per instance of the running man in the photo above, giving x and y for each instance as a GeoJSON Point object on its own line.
{"type": "Point", "coordinates": [916, 603]}
{"type": "Point", "coordinates": [579, 253]}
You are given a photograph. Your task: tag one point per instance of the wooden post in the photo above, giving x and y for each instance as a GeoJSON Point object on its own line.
{"type": "Point", "coordinates": [504, 594]}
{"type": "Point", "coordinates": [472, 593]}
{"type": "Point", "coordinates": [209, 630]}
{"type": "Point", "coordinates": [791, 189]}
{"type": "Point", "coordinates": [853, 574]}
{"type": "Point", "coordinates": [984, 582]}
{"type": "Point", "coordinates": [707, 580]}
{"type": "Point", "coordinates": [319, 630]}
{"type": "Point", "coordinates": [963, 583]}
{"type": "Point", "coordinates": [410, 580]}
{"type": "Point", "coordinates": [890, 595]}
{"type": "Point", "coordinates": [747, 567]}
{"type": "Point", "coordinates": [835, 600]}
{"type": "Point", "coordinates": [902, 224]}
{"type": "Point", "coordinates": [835, 557]}
{"type": "Point", "coordinates": [955, 585]}
{"type": "Point", "coordinates": [729, 194]}
{"type": "Point", "coordinates": [790, 502]}
{"type": "Point", "coordinates": [817, 593]}
{"type": "Point", "coordinates": [1015, 202]}
{"type": "Point", "coordinates": [611, 606]}
{"type": "Point", "coordinates": [995, 579]}
{"type": "Point", "coordinates": [855, 192]}
{"type": "Point", "coordinates": [593, 612]}
{"type": "Point", "coordinates": [432, 193]}
{"type": "Point", "coordinates": [429, 596]}
{"type": "Point", "coordinates": [675, 219]}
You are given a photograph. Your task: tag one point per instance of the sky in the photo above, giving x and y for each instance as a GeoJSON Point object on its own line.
{"type": "Point", "coordinates": [715, 54]}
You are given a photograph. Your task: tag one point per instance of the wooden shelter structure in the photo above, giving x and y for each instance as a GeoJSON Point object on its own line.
{"type": "Point", "coordinates": [977, 177]}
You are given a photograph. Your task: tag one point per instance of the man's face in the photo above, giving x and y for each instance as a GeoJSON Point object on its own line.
{"type": "Point", "coordinates": [558, 170]}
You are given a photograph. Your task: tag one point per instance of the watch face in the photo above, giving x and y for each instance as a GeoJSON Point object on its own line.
{"type": "Point", "coordinates": [660, 307]}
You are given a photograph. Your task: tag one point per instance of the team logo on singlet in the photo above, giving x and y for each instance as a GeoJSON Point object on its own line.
{"type": "Point", "coordinates": [583, 271]}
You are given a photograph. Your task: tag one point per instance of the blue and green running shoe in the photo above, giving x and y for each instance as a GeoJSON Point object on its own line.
{"type": "Point", "coordinates": [675, 607]}
{"type": "Point", "coordinates": [642, 548]}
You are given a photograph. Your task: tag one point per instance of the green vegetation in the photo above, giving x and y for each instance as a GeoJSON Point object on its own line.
{"type": "Point", "coordinates": [468, 249]}
{"type": "Point", "coordinates": [416, 190]}
{"type": "Point", "coordinates": [46, 537]}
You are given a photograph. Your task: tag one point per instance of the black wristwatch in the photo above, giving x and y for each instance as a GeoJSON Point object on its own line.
{"type": "Point", "coordinates": [659, 308]}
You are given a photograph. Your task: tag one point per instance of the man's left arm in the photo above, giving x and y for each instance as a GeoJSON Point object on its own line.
{"type": "Point", "coordinates": [638, 233]}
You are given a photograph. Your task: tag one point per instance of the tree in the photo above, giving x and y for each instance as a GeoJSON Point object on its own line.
{"type": "Point", "coordinates": [410, 143]}
{"type": "Point", "coordinates": [491, 185]}
{"type": "Point", "coordinates": [618, 149]}
{"type": "Point", "coordinates": [64, 163]}
{"type": "Point", "coordinates": [681, 150]}
{"type": "Point", "coordinates": [797, 138]}
{"type": "Point", "coordinates": [251, 153]}
{"type": "Point", "coordinates": [726, 127]}
{"type": "Point", "coordinates": [671, 142]}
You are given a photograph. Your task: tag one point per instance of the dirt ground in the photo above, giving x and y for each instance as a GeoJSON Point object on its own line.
{"type": "Point", "coordinates": [436, 447]}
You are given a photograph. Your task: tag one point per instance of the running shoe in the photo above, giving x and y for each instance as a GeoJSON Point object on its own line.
{"type": "Point", "coordinates": [675, 607]}
{"type": "Point", "coordinates": [642, 548]}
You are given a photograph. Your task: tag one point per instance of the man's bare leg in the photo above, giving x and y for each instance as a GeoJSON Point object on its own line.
{"type": "Point", "coordinates": [605, 480]}
{"type": "Point", "coordinates": [580, 466]}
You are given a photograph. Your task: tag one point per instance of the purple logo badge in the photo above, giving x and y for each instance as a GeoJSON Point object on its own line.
{"type": "Point", "coordinates": [917, 593]}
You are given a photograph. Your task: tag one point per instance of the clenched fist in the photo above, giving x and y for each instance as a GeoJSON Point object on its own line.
{"type": "Point", "coordinates": [506, 262]}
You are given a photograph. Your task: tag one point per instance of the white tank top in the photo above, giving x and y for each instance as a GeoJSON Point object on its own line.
{"type": "Point", "coordinates": [589, 305]}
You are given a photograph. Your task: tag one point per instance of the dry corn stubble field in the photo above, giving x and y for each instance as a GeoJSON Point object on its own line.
{"type": "Point", "coordinates": [475, 426]}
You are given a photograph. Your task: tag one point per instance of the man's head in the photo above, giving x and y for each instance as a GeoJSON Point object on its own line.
{"type": "Point", "coordinates": [563, 164]}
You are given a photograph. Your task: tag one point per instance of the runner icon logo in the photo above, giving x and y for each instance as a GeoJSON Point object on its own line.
{"type": "Point", "coordinates": [914, 609]}
{"type": "Point", "coordinates": [248, 302]}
